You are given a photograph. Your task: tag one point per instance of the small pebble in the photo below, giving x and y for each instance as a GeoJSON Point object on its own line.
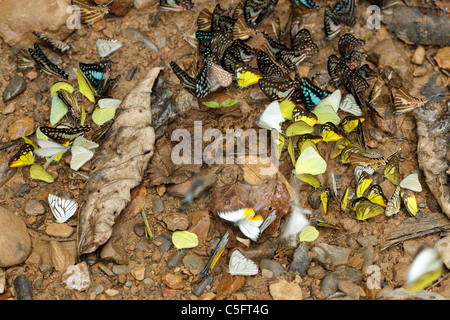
{"type": "Point", "coordinates": [418, 56]}
{"type": "Point", "coordinates": [15, 87]}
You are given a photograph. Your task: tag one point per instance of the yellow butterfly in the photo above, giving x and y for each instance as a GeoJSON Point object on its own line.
{"type": "Point", "coordinates": [25, 155]}
{"type": "Point", "coordinates": [302, 114]}
{"type": "Point", "coordinates": [309, 179]}
{"type": "Point", "coordinates": [325, 197]}
{"type": "Point", "coordinates": [307, 137]}
{"type": "Point", "coordinates": [298, 128]}
{"type": "Point", "coordinates": [426, 267]}
{"type": "Point", "coordinates": [363, 184]}
{"type": "Point", "coordinates": [391, 171]}
{"type": "Point", "coordinates": [376, 195]}
{"type": "Point", "coordinates": [218, 250]}
{"type": "Point", "coordinates": [350, 123]}
{"type": "Point", "coordinates": [365, 209]}
{"type": "Point", "coordinates": [344, 200]}
{"type": "Point", "coordinates": [410, 203]}
{"type": "Point", "coordinates": [247, 76]}
{"type": "Point", "coordinates": [331, 133]}
{"type": "Point", "coordinates": [339, 146]}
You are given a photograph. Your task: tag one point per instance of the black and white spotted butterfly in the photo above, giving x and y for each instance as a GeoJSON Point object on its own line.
{"type": "Point", "coordinates": [62, 208]}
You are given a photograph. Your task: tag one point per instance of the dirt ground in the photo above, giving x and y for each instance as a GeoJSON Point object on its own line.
{"type": "Point", "coordinates": [159, 27]}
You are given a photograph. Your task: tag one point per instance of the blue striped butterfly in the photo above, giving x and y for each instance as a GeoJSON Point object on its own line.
{"type": "Point", "coordinates": [310, 94]}
{"type": "Point", "coordinates": [307, 3]}
{"type": "Point", "coordinates": [97, 75]}
{"type": "Point", "coordinates": [268, 67]}
{"type": "Point", "coordinates": [44, 64]}
{"type": "Point", "coordinates": [199, 86]}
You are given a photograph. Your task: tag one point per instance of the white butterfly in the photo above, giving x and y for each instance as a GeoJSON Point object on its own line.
{"type": "Point", "coordinates": [297, 221]}
{"type": "Point", "coordinates": [425, 268]}
{"type": "Point", "coordinates": [240, 265]}
{"type": "Point", "coordinates": [269, 219]}
{"type": "Point", "coordinates": [411, 182]}
{"type": "Point", "coordinates": [271, 117]}
{"type": "Point", "coordinates": [246, 220]}
{"type": "Point", "coordinates": [360, 169]}
{"type": "Point", "coordinates": [48, 148]}
{"type": "Point", "coordinates": [62, 208]}
{"type": "Point", "coordinates": [394, 202]}
{"type": "Point", "coordinates": [348, 104]}
{"type": "Point", "coordinates": [107, 46]}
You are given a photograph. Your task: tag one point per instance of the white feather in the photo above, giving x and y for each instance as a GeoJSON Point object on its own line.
{"type": "Point", "coordinates": [62, 208]}
{"type": "Point", "coordinates": [240, 265]}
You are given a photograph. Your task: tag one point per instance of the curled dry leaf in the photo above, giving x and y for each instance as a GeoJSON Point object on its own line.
{"type": "Point", "coordinates": [119, 166]}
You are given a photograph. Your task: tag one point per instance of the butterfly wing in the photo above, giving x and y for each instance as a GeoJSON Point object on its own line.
{"type": "Point", "coordinates": [61, 208]}
{"type": "Point", "coordinates": [240, 265]}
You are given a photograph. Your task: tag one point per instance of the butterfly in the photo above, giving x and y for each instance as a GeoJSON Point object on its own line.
{"type": "Point", "coordinates": [426, 267]}
{"type": "Point", "coordinates": [91, 14]}
{"type": "Point", "coordinates": [71, 102]}
{"type": "Point", "coordinates": [246, 75]}
{"type": "Point", "coordinates": [199, 86]}
{"type": "Point", "coordinates": [219, 43]}
{"type": "Point", "coordinates": [343, 12]}
{"type": "Point", "coordinates": [97, 75]}
{"type": "Point", "coordinates": [218, 250]}
{"type": "Point", "coordinates": [308, 117]}
{"type": "Point", "coordinates": [376, 195]}
{"type": "Point", "coordinates": [24, 60]}
{"type": "Point", "coordinates": [255, 11]}
{"type": "Point", "coordinates": [331, 133]}
{"type": "Point", "coordinates": [226, 24]}
{"type": "Point", "coordinates": [394, 202]}
{"type": "Point", "coordinates": [175, 5]}
{"type": "Point", "coordinates": [411, 182]}
{"type": "Point", "coordinates": [268, 67]}
{"type": "Point", "coordinates": [65, 133]}
{"type": "Point", "coordinates": [365, 209]}
{"type": "Point", "coordinates": [25, 154]}
{"type": "Point", "coordinates": [247, 221]}
{"type": "Point", "coordinates": [223, 77]}
{"type": "Point", "coordinates": [57, 44]}
{"type": "Point", "coordinates": [302, 41]}
{"type": "Point", "coordinates": [268, 221]}
{"type": "Point", "coordinates": [339, 146]}
{"type": "Point", "coordinates": [278, 90]}
{"type": "Point", "coordinates": [240, 265]}
{"type": "Point", "coordinates": [325, 198]}
{"type": "Point", "coordinates": [332, 26]}
{"type": "Point", "coordinates": [184, 240]}
{"type": "Point", "coordinates": [391, 170]}
{"type": "Point", "coordinates": [359, 170]}
{"type": "Point", "coordinates": [405, 102]}
{"type": "Point", "coordinates": [410, 203]}
{"type": "Point", "coordinates": [344, 200]}
{"type": "Point", "coordinates": [310, 161]}
{"type": "Point", "coordinates": [271, 117]}
{"type": "Point", "coordinates": [44, 64]}
{"type": "Point", "coordinates": [274, 46]}
{"type": "Point", "coordinates": [241, 30]}
{"type": "Point", "coordinates": [62, 208]}
{"type": "Point", "coordinates": [367, 160]}
{"type": "Point", "coordinates": [215, 18]}
{"type": "Point", "coordinates": [297, 221]}
{"type": "Point", "coordinates": [204, 20]}
{"type": "Point", "coordinates": [348, 44]}
{"type": "Point", "coordinates": [360, 132]}
{"type": "Point", "coordinates": [52, 149]}
{"type": "Point", "coordinates": [349, 105]}
{"type": "Point", "coordinates": [350, 123]}
{"type": "Point", "coordinates": [364, 182]}
{"type": "Point", "coordinates": [326, 109]}
{"type": "Point", "coordinates": [107, 46]}
{"type": "Point", "coordinates": [307, 3]}
{"type": "Point", "coordinates": [310, 94]}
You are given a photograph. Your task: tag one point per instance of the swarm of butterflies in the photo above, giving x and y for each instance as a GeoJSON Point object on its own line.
{"type": "Point", "coordinates": [301, 111]}
{"type": "Point", "coordinates": [68, 115]}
